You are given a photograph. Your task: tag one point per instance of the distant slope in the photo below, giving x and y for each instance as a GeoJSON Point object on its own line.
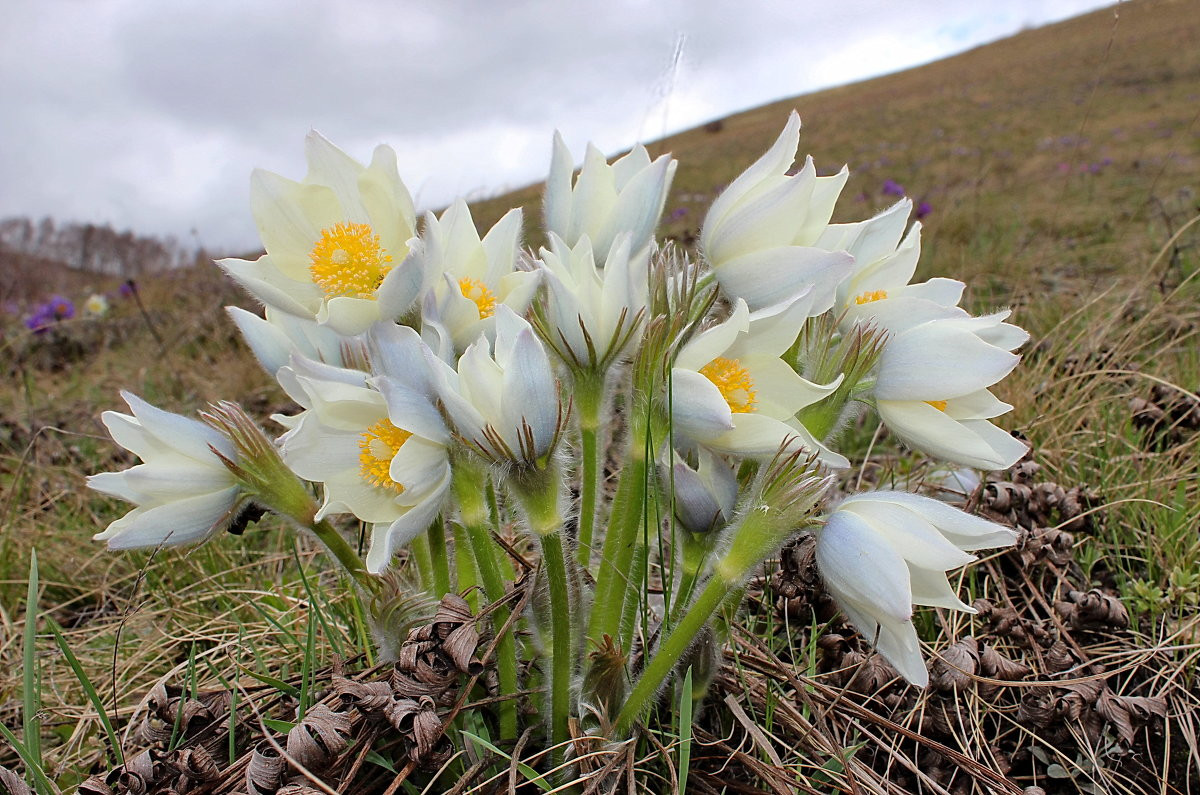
{"type": "Point", "coordinates": [1079, 133]}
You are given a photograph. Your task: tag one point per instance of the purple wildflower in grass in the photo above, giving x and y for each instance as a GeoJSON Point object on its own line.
{"type": "Point", "coordinates": [127, 289]}
{"type": "Point", "coordinates": [41, 319]}
{"type": "Point", "coordinates": [61, 308]}
{"type": "Point", "coordinates": [892, 188]}
{"type": "Point", "coordinates": [924, 209]}
{"type": "Point", "coordinates": [678, 212]}
{"type": "Point", "coordinates": [1064, 168]}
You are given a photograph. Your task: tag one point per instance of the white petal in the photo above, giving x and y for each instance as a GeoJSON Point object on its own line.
{"type": "Point", "coordinates": [913, 537]}
{"type": "Point", "coordinates": [698, 410]}
{"type": "Point", "coordinates": [386, 539]}
{"type": "Point", "coordinates": [715, 341]}
{"type": "Point", "coordinates": [896, 641]}
{"type": "Point", "coordinates": [774, 162]}
{"type": "Point", "coordinates": [328, 165]}
{"type": "Point", "coordinates": [766, 277]}
{"type": "Point", "coordinates": [923, 427]}
{"type": "Point", "coordinates": [963, 529]}
{"type": "Point", "coordinates": [938, 360]}
{"type": "Point", "coordinates": [178, 522]}
{"type": "Point", "coordinates": [412, 411]}
{"type": "Point", "coordinates": [190, 437]}
{"type": "Point", "coordinates": [857, 563]}
{"type": "Point", "coordinates": [347, 315]}
{"type": "Point", "coordinates": [932, 589]}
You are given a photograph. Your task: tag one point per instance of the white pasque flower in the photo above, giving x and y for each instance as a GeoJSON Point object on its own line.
{"type": "Point", "coordinates": [761, 234]}
{"type": "Point", "coordinates": [380, 453]}
{"type": "Point", "coordinates": [885, 258]}
{"type": "Point", "coordinates": [504, 404]}
{"type": "Point", "coordinates": [183, 490]}
{"type": "Point", "coordinates": [337, 243]}
{"type": "Point", "coordinates": [932, 384]}
{"type": "Point", "coordinates": [594, 311]}
{"type": "Point", "coordinates": [627, 196]}
{"type": "Point", "coordinates": [705, 497]}
{"type": "Point", "coordinates": [471, 277]}
{"type": "Point", "coordinates": [276, 337]}
{"type": "Point", "coordinates": [732, 393]}
{"type": "Point", "coordinates": [881, 552]}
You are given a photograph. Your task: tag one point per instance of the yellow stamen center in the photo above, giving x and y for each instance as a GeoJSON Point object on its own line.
{"type": "Point", "coordinates": [940, 405]}
{"type": "Point", "coordinates": [349, 261]}
{"type": "Point", "coordinates": [733, 381]}
{"type": "Point", "coordinates": [478, 292]}
{"type": "Point", "coordinates": [869, 296]}
{"type": "Point", "coordinates": [377, 447]}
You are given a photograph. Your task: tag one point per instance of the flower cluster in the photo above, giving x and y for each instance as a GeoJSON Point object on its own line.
{"type": "Point", "coordinates": [450, 381]}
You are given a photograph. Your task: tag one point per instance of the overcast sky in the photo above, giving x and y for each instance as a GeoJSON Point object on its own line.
{"type": "Point", "coordinates": [150, 114]}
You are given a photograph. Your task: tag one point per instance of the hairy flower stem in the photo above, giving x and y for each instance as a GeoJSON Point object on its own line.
{"type": "Point", "coordinates": [539, 493]}
{"type": "Point", "coordinates": [664, 661]}
{"type": "Point", "coordinates": [731, 573]}
{"type": "Point", "coordinates": [344, 553]}
{"type": "Point", "coordinates": [465, 571]}
{"type": "Point", "coordinates": [612, 580]}
{"type": "Point", "coordinates": [589, 399]}
{"type": "Point", "coordinates": [424, 564]}
{"type": "Point", "coordinates": [439, 557]}
{"type": "Point", "coordinates": [474, 512]}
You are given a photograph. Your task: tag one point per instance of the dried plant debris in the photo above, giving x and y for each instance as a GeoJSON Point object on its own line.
{"type": "Point", "coordinates": [1170, 415]}
{"type": "Point", "coordinates": [401, 708]}
{"type": "Point", "coordinates": [12, 783]}
{"type": "Point", "coordinates": [1027, 672]}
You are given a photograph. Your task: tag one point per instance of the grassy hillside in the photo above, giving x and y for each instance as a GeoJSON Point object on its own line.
{"type": "Point", "coordinates": [1060, 167]}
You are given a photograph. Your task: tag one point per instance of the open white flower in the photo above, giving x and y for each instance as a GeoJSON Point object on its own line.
{"type": "Point", "coordinates": [504, 404]}
{"type": "Point", "coordinates": [380, 454]}
{"type": "Point", "coordinates": [627, 196]}
{"type": "Point", "coordinates": [594, 310]}
{"type": "Point", "coordinates": [337, 243]}
{"type": "Point", "coordinates": [183, 490]}
{"type": "Point", "coordinates": [761, 234]}
{"type": "Point", "coordinates": [885, 259]}
{"type": "Point", "coordinates": [732, 393]}
{"type": "Point", "coordinates": [932, 388]}
{"type": "Point", "coordinates": [882, 552]}
{"type": "Point", "coordinates": [471, 277]}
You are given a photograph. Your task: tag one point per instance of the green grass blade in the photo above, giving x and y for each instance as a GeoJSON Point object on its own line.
{"type": "Point", "coordinates": [685, 730]}
{"type": "Point", "coordinates": [532, 775]}
{"type": "Point", "coordinates": [31, 698]}
{"type": "Point", "coordinates": [90, 690]}
{"type": "Point", "coordinates": [278, 684]}
{"type": "Point", "coordinates": [33, 767]}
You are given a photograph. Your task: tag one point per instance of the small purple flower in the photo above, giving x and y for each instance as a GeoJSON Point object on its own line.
{"type": "Point", "coordinates": [892, 188]}
{"type": "Point", "coordinates": [1064, 168]}
{"type": "Point", "coordinates": [924, 209]}
{"type": "Point", "coordinates": [128, 288]}
{"type": "Point", "coordinates": [678, 212]}
{"type": "Point", "coordinates": [61, 308]}
{"type": "Point", "coordinates": [41, 319]}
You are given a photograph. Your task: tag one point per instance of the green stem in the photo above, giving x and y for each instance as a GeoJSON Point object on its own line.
{"type": "Point", "coordinates": [612, 580]}
{"type": "Point", "coordinates": [539, 492]}
{"type": "Point", "coordinates": [439, 557]}
{"type": "Point", "coordinates": [344, 553]}
{"type": "Point", "coordinates": [589, 398]}
{"type": "Point", "coordinates": [420, 554]}
{"type": "Point", "coordinates": [466, 573]}
{"type": "Point", "coordinates": [562, 662]}
{"type": "Point", "coordinates": [669, 652]}
{"type": "Point", "coordinates": [474, 512]}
